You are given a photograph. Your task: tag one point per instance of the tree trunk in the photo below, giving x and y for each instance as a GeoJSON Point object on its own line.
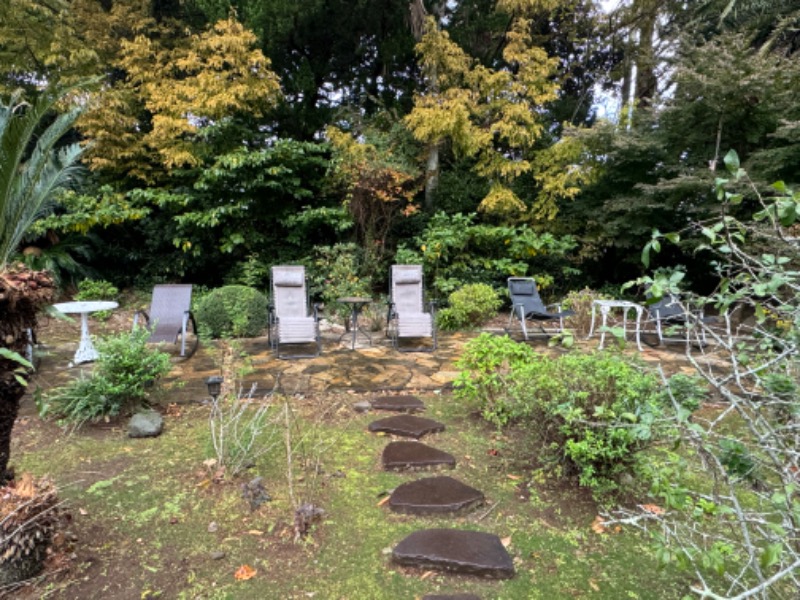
{"type": "Point", "coordinates": [22, 294]}
{"type": "Point", "coordinates": [431, 177]}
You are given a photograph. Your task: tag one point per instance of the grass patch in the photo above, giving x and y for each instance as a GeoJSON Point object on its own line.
{"type": "Point", "coordinates": [148, 518]}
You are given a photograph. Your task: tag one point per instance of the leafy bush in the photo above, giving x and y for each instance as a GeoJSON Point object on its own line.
{"type": "Point", "coordinates": [336, 272]}
{"type": "Point", "coordinates": [592, 413]}
{"type": "Point", "coordinates": [457, 251]}
{"type": "Point", "coordinates": [581, 302]}
{"type": "Point", "coordinates": [470, 306]}
{"type": "Point", "coordinates": [123, 375]}
{"type": "Point", "coordinates": [97, 289]}
{"type": "Point", "coordinates": [232, 310]}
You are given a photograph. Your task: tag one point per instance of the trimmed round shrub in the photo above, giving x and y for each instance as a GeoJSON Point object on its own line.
{"type": "Point", "coordinates": [232, 311]}
{"type": "Point", "coordinates": [470, 306]}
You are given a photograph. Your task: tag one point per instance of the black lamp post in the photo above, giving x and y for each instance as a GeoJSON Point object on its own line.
{"type": "Point", "coordinates": [214, 384]}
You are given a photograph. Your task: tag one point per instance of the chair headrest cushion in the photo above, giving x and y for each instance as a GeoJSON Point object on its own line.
{"type": "Point", "coordinates": [288, 278]}
{"type": "Point", "coordinates": [405, 277]}
{"type": "Point", "coordinates": [522, 288]}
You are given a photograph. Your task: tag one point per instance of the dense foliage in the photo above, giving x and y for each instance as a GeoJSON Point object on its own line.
{"type": "Point", "coordinates": [590, 414]}
{"type": "Point", "coordinates": [121, 381]}
{"type": "Point", "coordinates": [232, 311]}
{"type": "Point", "coordinates": [469, 306]}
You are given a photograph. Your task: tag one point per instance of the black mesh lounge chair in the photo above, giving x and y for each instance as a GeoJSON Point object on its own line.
{"type": "Point", "coordinates": [169, 316]}
{"type": "Point", "coordinates": [526, 304]}
{"type": "Point", "coordinates": [290, 321]}
{"type": "Point", "coordinates": [407, 317]}
{"type": "Point", "coordinates": [669, 312]}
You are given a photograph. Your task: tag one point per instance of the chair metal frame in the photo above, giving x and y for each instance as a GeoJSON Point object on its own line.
{"type": "Point", "coordinates": [169, 315]}
{"type": "Point", "coordinates": [527, 304]}
{"type": "Point", "coordinates": [290, 320]}
{"type": "Point", "coordinates": [406, 316]}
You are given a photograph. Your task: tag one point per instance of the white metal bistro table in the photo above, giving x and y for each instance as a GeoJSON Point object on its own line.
{"type": "Point", "coordinates": [86, 351]}
{"type": "Point", "coordinates": [605, 307]}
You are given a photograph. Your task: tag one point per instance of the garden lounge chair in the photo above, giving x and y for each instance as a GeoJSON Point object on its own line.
{"type": "Point", "coordinates": [407, 317]}
{"type": "Point", "coordinates": [526, 304]}
{"type": "Point", "coordinates": [669, 312]}
{"type": "Point", "coordinates": [169, 315]}
{"type": "Point", "coordinates": [290, 322]}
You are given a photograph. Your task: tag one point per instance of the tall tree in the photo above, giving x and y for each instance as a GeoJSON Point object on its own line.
{"type": "Point", "coordinates": [488, 114]}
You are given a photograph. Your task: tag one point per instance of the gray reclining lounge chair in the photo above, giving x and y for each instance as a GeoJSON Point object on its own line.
{"type": "Point", "coordinates": [169, 316]}
{"type": "Point", "coordinates": [407, 317]}
{"type": "Point", "coordinates": [669, 312]}
{"type": "Point", "coordinates": [526, 304]}
{"type": "Point", "coordinates": [290, 321]}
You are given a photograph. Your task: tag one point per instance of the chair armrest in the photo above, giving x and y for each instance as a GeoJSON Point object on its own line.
{"type": "Point", "coordinates": [136, 317]}
{"type": "Point", "coordinates": [315, 310]}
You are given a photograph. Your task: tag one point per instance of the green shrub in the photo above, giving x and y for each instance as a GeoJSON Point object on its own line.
{"type": "Point", "coordinates": [592, 413]}
{"type": "Point", "coordinates": [97, 289]}
{"type": "Point", "coordinates": [581, 302]}
{"type": "Point", "coordinates": [232, 311]}
{"type": "Point", "coordinates": [470, 306]}
{"type": "Point", "coordinates": [337, 273]}
{"type": "Point", "coordinates": [123, 375]}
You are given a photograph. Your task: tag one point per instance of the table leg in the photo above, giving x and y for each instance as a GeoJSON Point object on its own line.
{"type": "Point", "coordinates": [354, 324]}
{"type": "Point", "coordinates": [591, 327]}
{"type": "Point", "coordinates": [639, 311]}
{"type": "Point", "coordinates": [86, 351]}
{"type": "Point", "coordinates": [604, 312]}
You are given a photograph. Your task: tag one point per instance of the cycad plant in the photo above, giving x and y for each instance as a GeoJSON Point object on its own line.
{"type": "Point", "coordinates": [33, 167]}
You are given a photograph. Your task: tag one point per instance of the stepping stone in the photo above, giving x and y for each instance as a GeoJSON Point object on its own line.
{"type": "Point", "coordinates": [398, 456]}
{"type": "Point", "coordinates": [434, 495]}
{"type": "Point", "coordinates": [406, 426]}
{"type": "Point", "coordinates": [407, 404]}
{"type": "Point", "coordinates": [451, 597]}
{"type": "Point", "coordinates": [456, 551]}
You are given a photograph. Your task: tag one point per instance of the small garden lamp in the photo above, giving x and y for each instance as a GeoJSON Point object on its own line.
{"type": "Point", "coordinates": [214, 384]}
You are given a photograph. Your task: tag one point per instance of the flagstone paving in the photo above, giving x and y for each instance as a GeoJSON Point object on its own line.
{"type": "Point", "coordinates": [401, 456]}
{"type": "Point", "coordinates": [456, 550]}
{"type": "Point", "coordinates": [406, 426]}
{"type": "Point", "coordinates": [434, 495]}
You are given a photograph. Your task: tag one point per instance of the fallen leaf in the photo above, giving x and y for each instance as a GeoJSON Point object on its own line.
{"type": "Point", "coordinates": [211, 462]}
{"type": "Point", "coordinates": [514, 477]}
{"type": "Point", "coordinates": [83, 512]}
{"type": "Point", "coordinates": [244, 573]}
{"type": "Point", "coordinates": [25, 486]}
{"type": "Point", "coordinates": [255, 532]}
{"type": "Point", "coordinates": [427, 574]}
{"type": "Point", "coordinates": [653, 509]}
{"type": "Point", "coordinates": [593, 585]}
{"type": "Point", "coordinates": [492, 452]}
{"type": "Point", "coordinates": [383, 501]}
{"type": "Point", "coordinates": [598, 525]}
{"type": "Point", "coordinates": [506, 541]}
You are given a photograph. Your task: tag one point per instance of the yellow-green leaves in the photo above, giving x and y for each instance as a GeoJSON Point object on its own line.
{"type": "Point", "coordinates": [489, 114]}
{"type": "Point", "coordinates": [149, 122]}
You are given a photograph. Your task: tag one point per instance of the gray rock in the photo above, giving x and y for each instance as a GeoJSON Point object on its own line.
{"type": "Point", "coordinates": [146, 424]}
{"type": "Point", "coordinates": [362, 406]}
{"type": "Point", "coordinates": [217, 555]}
